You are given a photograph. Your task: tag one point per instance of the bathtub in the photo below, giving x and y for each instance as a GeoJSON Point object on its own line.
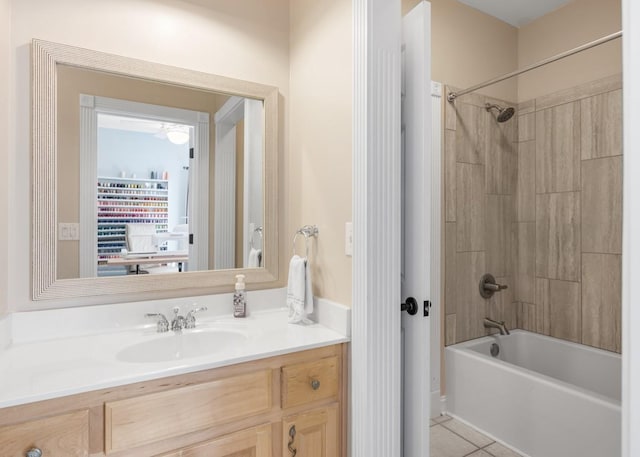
{"type": "Point", "coordinates": [542, 396]}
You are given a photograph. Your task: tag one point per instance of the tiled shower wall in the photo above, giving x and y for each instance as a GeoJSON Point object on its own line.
{"type": "Point", "coordinates": [569, 214]}
{"type": "Point", "coordinates": [537, 202]}
{"type": "Point", "coordinates": [480, 190]}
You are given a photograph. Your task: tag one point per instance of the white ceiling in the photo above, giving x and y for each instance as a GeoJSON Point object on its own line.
{"type": "Point", "coordinates": [133, 124]}
{"type": "Point", "coordinates": [516, 12]}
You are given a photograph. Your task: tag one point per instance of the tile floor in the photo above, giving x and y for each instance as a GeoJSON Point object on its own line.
{"type": "Point", "coordinates": [450, 438]}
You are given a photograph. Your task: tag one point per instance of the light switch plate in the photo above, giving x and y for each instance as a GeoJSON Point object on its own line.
{"type": "Point", "coordinates": [68, 231]}
{"type": "Point", "coordinates": [348, 239]}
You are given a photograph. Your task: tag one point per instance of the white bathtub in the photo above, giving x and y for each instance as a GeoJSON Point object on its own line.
{"type": "Point", "coordinates": [542, 396]}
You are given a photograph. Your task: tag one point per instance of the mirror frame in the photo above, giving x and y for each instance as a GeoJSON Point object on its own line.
{"type": "Point", "coordinates": [45, 56]}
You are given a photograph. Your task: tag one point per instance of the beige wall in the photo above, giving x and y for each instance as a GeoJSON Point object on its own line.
{"type": "Point", "coordinates": [469, 47]}
{"type": "Point", "coordinates": [247, 40]}
{"type": "Point", "coordinates": [579, 22]}
{"type": "Point", "coordinates": [5, 141]}
{"type": "Point", "coordinates": [320, 141]}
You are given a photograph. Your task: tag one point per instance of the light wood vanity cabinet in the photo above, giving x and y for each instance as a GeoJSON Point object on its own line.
{"type": "Point", "coordinates": [63, 435]}
{"type": "Point", "coordinates": [247, 409]}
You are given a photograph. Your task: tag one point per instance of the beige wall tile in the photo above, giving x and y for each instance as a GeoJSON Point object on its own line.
{"type": "Point", "coordinates": [564, 307]}
{"type": "Point", "coordinates": [601, 131]}
{"type": "Point", "coordinates": [499, 307]}
{"type": "Point", "coordinates": [450, 330]}
{"type": "Point", "coordinates": [527, 316]}
{"type": "Point", "coordinates": [558, 236]}
{"type": "Point", "coordinates": [499, 216]}
{"type": "Point", "coordinates": [589, 89]}
{"type": "Point", "coordinates": [601, 301]}
{"type": "Point", "coordinates": [602, 205]}
{"type": "Point", "coordinates": [524, 234]}
{"type": "Point", "coordinates": [450, 175]}
{"type": "Point", "coordinates": [501, 158]}
{"type": "Point", "coordinates": [450, 273]}
{"type": "Point", "coordinates": [470, 207]}
{"type": "Point", "coordinates": [526, 187]}
{"type": "Point", "coordinates": [558, 149]}
{"type": "Point", "coordinates": [470, 306]}
{"type": "Point", "coordinates": [526, 107]}
{"type": "Point", "coordinates": [543, 311]}
{"type": "Point", "coordinates": [526, 126]}
{"type": "Point", "coordinates": [471, 130]}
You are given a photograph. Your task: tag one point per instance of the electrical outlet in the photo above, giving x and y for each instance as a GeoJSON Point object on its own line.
{"type": "Point", "coordinates": [68, 231]}
{"type": "Point", "coordinates": [348, 239]}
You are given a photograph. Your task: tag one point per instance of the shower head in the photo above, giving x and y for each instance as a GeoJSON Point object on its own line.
{"type": "Point", "coordinates": [504, 114]}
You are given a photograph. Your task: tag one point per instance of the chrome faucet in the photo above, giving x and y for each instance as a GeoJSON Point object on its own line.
{"type": "Point", "coordinates": [178, 322]}
{"type": "Point", "coordinates": [490, 323]}
{"type": "Point", "coordinates": [163, 323]}
{"type": "Point", "coordinates": [190, 319]}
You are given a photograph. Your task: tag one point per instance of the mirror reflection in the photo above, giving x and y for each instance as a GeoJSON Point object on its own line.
{"type": "Point", "coordinates": [155, 178]}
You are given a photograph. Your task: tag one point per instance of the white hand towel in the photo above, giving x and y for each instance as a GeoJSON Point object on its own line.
{"type": "Point", "coordinates": [299, 292]}
{"type": "Point", "coordinates": [255, 258]}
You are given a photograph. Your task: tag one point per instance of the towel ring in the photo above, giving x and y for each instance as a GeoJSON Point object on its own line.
{"type": "Point", "coordinates": [257, 230]}
{"type": "Point", "coordinates": [307, 231]}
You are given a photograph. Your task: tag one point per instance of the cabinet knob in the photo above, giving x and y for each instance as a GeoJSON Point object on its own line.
{"type": "Point", "coordinates": [34, 452]}
{"type": "Point", "coordinates": [315, 384]}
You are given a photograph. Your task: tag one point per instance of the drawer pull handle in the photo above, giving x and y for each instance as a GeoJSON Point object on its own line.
{"type": "Point", "coordinates": [292, 437]}
{"type": "Point", "coordinates": [34, 452]}
{"type": "Point", "coordinates": [315, 384]}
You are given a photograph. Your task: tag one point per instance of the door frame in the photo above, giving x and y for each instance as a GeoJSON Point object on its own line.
{"type": "Point", "coordinates": [375, 343]}
{"type": "Point", "coordinates": [631, 229]}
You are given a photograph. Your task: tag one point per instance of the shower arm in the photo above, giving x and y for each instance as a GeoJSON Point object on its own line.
{"type": "Point", "coordinates": [453, 95]}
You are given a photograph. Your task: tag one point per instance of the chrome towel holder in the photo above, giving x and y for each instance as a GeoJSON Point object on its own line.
{"type": "Point", "coordinates": [307, 231]}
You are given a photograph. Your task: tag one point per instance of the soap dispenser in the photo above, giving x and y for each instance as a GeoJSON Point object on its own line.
{"type": "Point", "coordinates": [240, 298]}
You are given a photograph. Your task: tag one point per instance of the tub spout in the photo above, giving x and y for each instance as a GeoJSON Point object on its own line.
{"type": "Point", "coordinates": [490, 323]}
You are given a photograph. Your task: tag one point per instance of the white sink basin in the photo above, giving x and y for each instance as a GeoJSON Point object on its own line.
{"type": "Point", "coordinates": [176, 346]}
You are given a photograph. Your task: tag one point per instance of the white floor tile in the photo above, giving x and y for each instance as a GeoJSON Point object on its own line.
{"type": "Point", "coordinates": [445, 443]}
{"type": "Point", "coordinates": [498, 450]}
{"type": "Point", "coordinates": [468, 433]}
{"type": "Point", "coordinates": [479, 453]}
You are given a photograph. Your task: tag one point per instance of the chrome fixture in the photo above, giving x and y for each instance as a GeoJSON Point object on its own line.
{"type": "Point", "coordinates": [190, 319]}
{"type": "Point", "coordinates": [488, 286]}
{"type": "Point", "coordinates": [178, 322]}
{"type": "Point", "coordinates": [490, 323]}
{"type": "Point", "coordinates": [34, 452]}
{"type": "Point", "coordinates": [163, 323]}
{"type": "Point", "coordinates": [494, 349]}
{"type": "Point", "coordinates": [504, 114]}
{"type": "Point", "coordinates": [453, 95]}
{"type": "Point", "coordinates": [307, 231]}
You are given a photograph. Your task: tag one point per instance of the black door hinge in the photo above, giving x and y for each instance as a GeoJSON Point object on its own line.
{"type": "Point", "coordinates": [191, 153]}
{"type": "Point", "coordinates": [190, 238]}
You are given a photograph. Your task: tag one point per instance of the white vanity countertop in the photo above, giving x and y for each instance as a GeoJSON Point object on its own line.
{"type": "Point", "coordinates": [35, 370]}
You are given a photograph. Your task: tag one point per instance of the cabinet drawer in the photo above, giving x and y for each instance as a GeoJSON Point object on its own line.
{"type": "Point", "coordinates": [60, 436]}
{"type": "Point", "coordinates": [310, 381]}
{"type": "Point", "coordinates": [142, 420]}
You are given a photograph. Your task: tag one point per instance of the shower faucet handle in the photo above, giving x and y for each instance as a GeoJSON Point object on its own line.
{"type": "Point", "coordinates": [489, 286]}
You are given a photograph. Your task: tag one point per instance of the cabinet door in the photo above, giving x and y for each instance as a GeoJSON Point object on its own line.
{"type": "Point", "coordinates": [311, 434]}
{"type": "Point", "coordinates": [60, 436]}
{"type": "Point", "coordinates": [253, 442]}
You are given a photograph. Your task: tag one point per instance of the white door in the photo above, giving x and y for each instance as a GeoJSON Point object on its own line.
{"type": "Point", "coordinates": [416, 243]}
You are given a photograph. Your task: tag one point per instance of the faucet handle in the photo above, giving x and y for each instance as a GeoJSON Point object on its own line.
{"type": "Point", "coordinates": [190, 319]}
{"type": "Point", "coordinates": [163, 323]}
